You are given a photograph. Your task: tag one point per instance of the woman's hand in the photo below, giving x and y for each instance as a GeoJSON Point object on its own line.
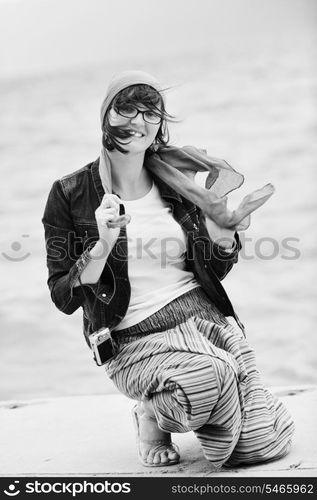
{"type": "Point", "coordinates": [220, 235]}
{"type": "Point", "coordinates": [107, 215]}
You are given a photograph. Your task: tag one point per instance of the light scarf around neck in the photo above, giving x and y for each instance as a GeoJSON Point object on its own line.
{"type": "Point", "coordinates": [177, 166]}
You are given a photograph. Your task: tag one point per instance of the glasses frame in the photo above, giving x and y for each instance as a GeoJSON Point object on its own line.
{"type": "Point", "coordinates": [137, 112]}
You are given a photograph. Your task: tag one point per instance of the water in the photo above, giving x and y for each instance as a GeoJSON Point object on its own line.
{"type": "Point", "coordinates": [256, 110]}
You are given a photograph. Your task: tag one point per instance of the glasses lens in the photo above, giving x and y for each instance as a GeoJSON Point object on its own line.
{"type": "Point", "coordinates": [127, 111]}
{"type": "Point", "coordinates": [151, 117]}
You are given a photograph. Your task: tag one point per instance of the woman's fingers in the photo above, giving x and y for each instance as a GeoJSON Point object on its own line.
{"type": "Point", "coordinates": [110, 205]}
{"type": "Point", "coordinates": [110, 200]}
{"type": "Point", "coordinates": [103, 215]}
{"type": "Point", "coordinates": [107, 214]}
{"type": "Point", "coordinates": [109, 217]}
{"type": "Point", "coordinates": [120, 221]}
{"type": "Point", "coordinates": [108, 211]}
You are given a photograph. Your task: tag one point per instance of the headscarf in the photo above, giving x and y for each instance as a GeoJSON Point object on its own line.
{"type": "Point", "coordinates": [177, 166]}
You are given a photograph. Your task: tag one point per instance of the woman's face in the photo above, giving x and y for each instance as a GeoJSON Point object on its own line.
{"type": "Point", "coordinates": [142, 133]}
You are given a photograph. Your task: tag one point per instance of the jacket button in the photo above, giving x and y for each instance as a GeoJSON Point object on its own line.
{"type": "Point", "coordinates": [103, 295]}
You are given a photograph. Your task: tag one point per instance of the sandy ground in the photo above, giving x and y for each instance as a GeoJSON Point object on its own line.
{"type": "Point", "coordinates": [55, 431]}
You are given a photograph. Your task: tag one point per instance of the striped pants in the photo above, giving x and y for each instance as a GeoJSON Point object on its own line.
{"type": "Point", "coordinates": [201, 376]}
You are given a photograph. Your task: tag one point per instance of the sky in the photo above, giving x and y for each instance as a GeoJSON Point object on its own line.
{"type": "Point", "coordinates": [40, 36]}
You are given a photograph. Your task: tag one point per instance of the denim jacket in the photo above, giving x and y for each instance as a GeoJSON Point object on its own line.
{"type": "Point", "coordinates": [71, 231]}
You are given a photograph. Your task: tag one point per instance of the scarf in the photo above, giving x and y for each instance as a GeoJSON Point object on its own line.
{"type": "Point", "coordinates": [177, 167]}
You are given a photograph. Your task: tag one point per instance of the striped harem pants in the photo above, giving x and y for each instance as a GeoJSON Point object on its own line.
{"type": "Point", "coordinates": [200, 374]}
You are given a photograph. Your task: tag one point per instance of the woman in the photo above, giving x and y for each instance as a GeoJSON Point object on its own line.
{"type": "Point", "coordinates": [142, 249]}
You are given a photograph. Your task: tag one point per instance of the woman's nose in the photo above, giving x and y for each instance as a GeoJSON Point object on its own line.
{"type": "Point", "coordinates": [138, 118]}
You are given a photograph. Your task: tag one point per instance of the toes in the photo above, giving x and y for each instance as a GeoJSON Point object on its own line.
{"type": "Point", "coordinates": [152, 458]}
{"type": "Point", "coordinates": [147, 455]}
{"type": "Point", "coordinates": [173, 455]}
{"type": "Point", "coordinates": [157, 459]}
{"type": "Point", "coordinates": [164, 457]}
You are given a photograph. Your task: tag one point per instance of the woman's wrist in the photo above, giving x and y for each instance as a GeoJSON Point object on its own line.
{"type": "Point", "coordinates": [100, 250]}
{"type": "Point", "coordinates": [98, 256]}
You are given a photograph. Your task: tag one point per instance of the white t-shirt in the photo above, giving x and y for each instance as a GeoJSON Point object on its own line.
{"type": "Point", "coordinates": [156, 257]}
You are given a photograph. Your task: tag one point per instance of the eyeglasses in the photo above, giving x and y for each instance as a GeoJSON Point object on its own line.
{"type": "Point", "coordinates": [131, 112]}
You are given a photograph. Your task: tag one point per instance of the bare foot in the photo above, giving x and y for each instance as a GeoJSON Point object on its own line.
{"type": "Point", "coordinates": [154, 444]}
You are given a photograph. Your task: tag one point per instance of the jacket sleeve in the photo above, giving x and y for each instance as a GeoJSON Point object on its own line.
{"type": "Point", "coordinates": [64, 266]}
{"type": "Point", "coordinates": [217, 257]}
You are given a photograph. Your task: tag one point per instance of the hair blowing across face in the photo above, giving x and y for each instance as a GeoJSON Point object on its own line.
{"type": "Point", "coordinates": [133, 80]}
{"type": "Point", "coordinates": [136, 96]}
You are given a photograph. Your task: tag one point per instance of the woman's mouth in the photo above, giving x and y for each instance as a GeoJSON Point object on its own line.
{"type": "Point", "coordinates": [135, 133]}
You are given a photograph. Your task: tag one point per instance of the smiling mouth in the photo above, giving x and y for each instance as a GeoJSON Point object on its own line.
{"type": "Point", "coordinates": [135, 133]}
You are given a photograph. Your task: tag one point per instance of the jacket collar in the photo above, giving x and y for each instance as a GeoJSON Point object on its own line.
{"type": "Point", "coordinates": [96, 179]}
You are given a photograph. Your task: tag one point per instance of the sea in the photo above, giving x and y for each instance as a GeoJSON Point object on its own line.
{"type": "Point", "coordinates": [256, 110]}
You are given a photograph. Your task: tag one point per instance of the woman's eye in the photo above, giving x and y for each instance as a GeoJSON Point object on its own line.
{"type": "Point", "coordinates": [126, 110]}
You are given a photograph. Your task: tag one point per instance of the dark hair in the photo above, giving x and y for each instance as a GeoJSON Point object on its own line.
{"type": "Point", "coordinates": [134, 96]}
